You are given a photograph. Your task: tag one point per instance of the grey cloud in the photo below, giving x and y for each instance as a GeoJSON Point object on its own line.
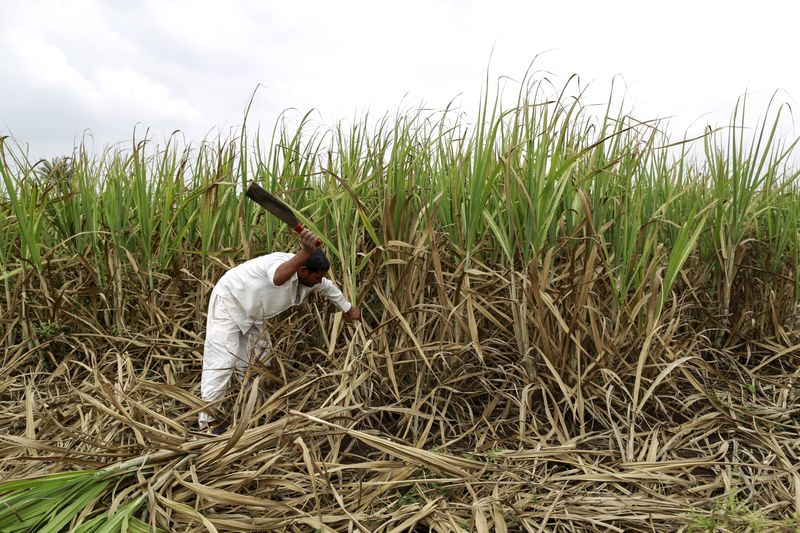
{"type": "Point", "coordinates": [192, 65]}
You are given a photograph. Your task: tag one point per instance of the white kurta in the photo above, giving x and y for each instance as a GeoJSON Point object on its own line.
{"type": "Point", "coordinates": [241, 300]}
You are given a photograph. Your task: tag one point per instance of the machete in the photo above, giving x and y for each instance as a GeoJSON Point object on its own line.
{"type": "Point", "coordinates": [271, 203]}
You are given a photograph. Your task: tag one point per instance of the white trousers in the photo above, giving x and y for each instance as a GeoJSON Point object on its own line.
{"type": "Point", "coordinates": [227, 351]}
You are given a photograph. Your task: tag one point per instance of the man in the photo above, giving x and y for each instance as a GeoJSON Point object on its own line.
{"type": "Point", "coordinates": [246, 296]}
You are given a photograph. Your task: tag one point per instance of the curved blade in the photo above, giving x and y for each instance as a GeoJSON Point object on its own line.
{"type": "Point", "coordinates": [272, 204]}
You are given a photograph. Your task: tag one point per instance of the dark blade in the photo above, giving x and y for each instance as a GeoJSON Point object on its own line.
{"type": "Point", "coordinates": [271, 203]}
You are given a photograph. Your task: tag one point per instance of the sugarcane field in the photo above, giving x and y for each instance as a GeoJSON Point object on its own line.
{"type": "Point", "coordinates": [540, 317]}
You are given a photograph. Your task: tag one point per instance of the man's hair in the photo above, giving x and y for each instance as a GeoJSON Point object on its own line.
{"type": "Point", "coordinates": [318, 262]}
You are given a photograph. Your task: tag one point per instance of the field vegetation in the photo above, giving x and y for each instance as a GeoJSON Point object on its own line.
{"type": "Point", "coordinates": [572, 322]}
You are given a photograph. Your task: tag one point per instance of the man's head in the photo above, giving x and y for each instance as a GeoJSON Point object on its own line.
{"type": "Point", "coordinates": [313, 270]}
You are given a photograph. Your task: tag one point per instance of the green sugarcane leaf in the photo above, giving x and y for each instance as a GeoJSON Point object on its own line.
{"type": "Point", "coordinates": [78, 500]}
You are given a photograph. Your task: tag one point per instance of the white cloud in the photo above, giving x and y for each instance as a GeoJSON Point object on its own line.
{"type": "Point", "coordinates": [118, 91]}
{"type": "Point", "coordinates": [42, 65]}
{"type": "Point", "coordinates": [192, 65]}
{"type": "Point", "coordinates": [133, 95]}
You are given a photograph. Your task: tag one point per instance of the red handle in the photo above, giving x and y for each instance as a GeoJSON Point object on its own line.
{"type": "Point", "coordinates": [299, 229]}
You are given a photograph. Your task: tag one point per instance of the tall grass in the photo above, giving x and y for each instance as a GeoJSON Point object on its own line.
{"type": "Point", "coordinates": [504, 190]}
{"type": "Point", "coordinates": [540, 277]}
{"type": "Point", "coordinates": [524, 187]}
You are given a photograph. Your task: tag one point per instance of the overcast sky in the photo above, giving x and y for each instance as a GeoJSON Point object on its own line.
{"type": "Point", "coordinates": [69, 68]}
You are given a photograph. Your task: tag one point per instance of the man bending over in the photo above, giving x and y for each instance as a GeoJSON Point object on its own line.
{"type": "Point", "coordinates": [244, 298]}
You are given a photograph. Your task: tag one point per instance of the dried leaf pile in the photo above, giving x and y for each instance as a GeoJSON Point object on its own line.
{"type": "Point", "coordinates": [571, 323]}
{"type": "Point", "coordinates": [467, 400]}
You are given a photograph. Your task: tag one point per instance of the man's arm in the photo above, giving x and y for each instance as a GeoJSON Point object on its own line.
{"type": "Point", "coordinates": [288, 268]}
{"type": "Point", "coordinates": [332, 293]}
{"type": "Point", "coordinates": [353, 314]}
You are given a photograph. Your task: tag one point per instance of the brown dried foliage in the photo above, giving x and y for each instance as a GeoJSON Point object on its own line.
{"type": "Point", "coordinates": [468, 399]}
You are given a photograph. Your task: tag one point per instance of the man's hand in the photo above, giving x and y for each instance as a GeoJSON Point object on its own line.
{"type": "Point", "coordinates": [308, 240]}
{"type": "Point", "coordinates": [353, 314]}
{"type": "Point", "coordinates": [288, 268]}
